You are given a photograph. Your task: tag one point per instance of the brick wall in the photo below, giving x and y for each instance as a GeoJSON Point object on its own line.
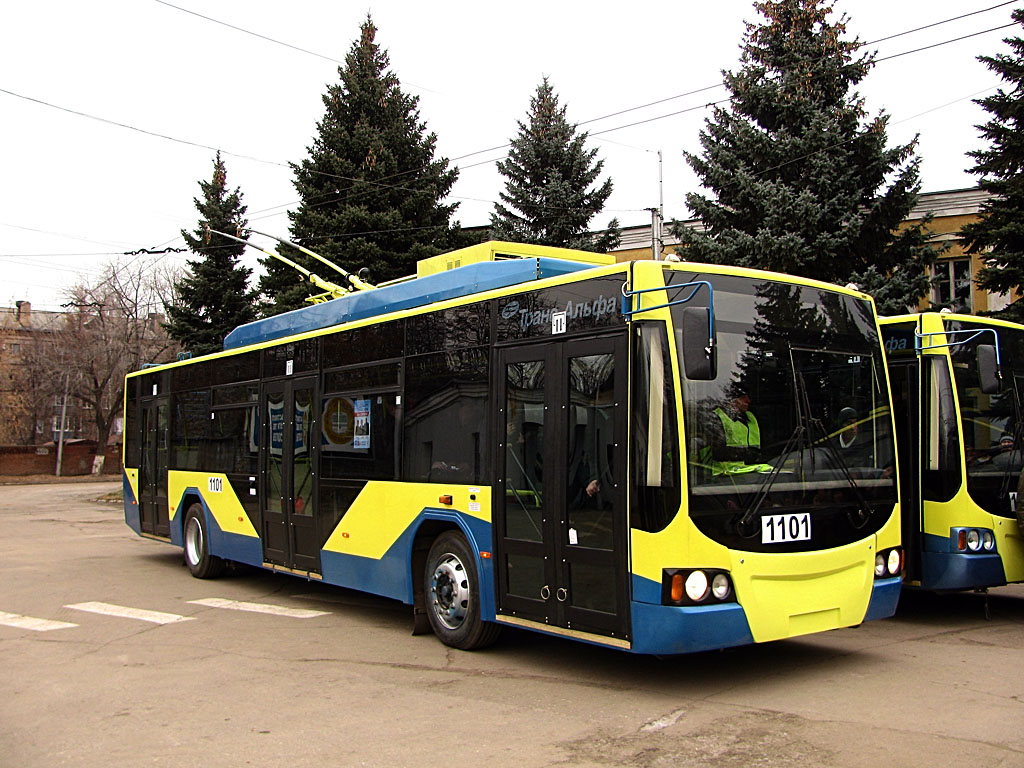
{"type": "Point", "coordinates": [77, 459]}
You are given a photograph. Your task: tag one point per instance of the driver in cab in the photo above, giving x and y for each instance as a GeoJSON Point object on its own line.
{"type": "Point", "coordinates": [735, 446]}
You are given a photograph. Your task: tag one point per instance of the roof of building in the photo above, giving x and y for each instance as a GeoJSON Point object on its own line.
{"type": "Point", "coordinates": [953, 202]}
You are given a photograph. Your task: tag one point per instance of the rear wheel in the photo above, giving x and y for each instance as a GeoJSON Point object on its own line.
{"type": "Point", "coordinates": [452, 591]}
{"type": "Point", "coordinates": [200, 562]}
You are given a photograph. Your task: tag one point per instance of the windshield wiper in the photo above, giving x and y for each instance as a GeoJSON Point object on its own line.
{"type": "Point", "coordinates": [798, 439]}
{"type": "Point", "coordinates": [802, 438]}
{"type": "Point", "coordinates": [828, 441]}
{"type": "Point", "coordinates": [743, 527]}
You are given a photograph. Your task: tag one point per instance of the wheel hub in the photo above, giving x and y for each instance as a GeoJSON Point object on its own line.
{"type": "Point", "coordinates": [450, 591]}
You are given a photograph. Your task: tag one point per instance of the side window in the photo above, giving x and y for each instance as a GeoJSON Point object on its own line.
{"type": "Point", "coordinates": [357, 436]}
{"type": "Point", "coordinates": [656, 484]}
{"type": "Point", "coordinates": [191, 428]}
{"type": "Point", "coordinates": [445, 416]}
{"type": "Point", "coordinates": [232, 444]}
{"type": "Point", "coordinates": [131, 423]}
{"type": "Point", "coordinates": [940, 455]}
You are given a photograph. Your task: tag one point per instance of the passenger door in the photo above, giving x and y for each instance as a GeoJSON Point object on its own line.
{"type": "Point", "coordinates": [154, 515]}
{"type": "Point", "coordinates": [560, 504]}
{"type": "Point", "coordinates": [289, 432]}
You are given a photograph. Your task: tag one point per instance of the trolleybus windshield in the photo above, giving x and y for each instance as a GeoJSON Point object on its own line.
{"type": "Point", "coordinates": [795, 431]}
{"type": "Point", "coordinates": [992, 425]}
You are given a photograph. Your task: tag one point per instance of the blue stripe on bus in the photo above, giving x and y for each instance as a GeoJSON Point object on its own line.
{"type": "Point", "coordinates": [230, 546]}
{"type": "Point", "coordinates": [885, 596]}
{"type": "Point", "coordinates": [391, 576]}
{"type": "Point", "coordinates": [463, 281]}
{"type": "Point", "coordinates": [670, 629]}
{"type": "Point", "coordinates": [944, 569]}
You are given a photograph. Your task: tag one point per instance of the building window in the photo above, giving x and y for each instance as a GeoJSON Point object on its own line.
{"type": "Point", "coordinates": [951, 285]}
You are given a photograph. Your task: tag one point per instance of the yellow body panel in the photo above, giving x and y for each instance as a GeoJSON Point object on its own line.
{"type": "Point", "coordinates": [224, 504]}
{"type": "Point", "coordinates": [493, 250]}
{"type": "Point", "coordinates": [782, 595]}
{"type": "Point", "coordinates": [794, 594]}
{"type": "Point", "coordinates": [133, 481]}
{"type": "Point", "coordinates": [383, 511]}
{"type": "Point", "coordinates": [1010, 544]}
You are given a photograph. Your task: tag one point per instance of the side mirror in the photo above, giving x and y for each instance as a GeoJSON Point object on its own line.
{"type": "Point", "coordinates": [699, 349]}
{"type": "Point", "coordinates": [988, 369]}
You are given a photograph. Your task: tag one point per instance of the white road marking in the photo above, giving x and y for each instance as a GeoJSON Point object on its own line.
{"type": "Point", "coordinates": [108, 609]}
{"type": "Point", "coordinates": [28, 622]}
{"type": "Point", "coordinates": [276, 610]}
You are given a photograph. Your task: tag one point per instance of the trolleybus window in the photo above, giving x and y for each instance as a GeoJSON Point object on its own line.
{"type": "Point", "coordinates": [992, 425]}
{"type": "Point", "coordinates": [798, 416]}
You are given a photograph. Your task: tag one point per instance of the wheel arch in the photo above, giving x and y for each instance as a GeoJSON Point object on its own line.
{"type": "Point", "coordinates": [432, 524]}
{"type": "Point", "coordinates": [188, 498]}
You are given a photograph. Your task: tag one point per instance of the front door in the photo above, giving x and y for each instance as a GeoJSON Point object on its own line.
{"type": "Point", "coordinates": [904, 378]}
{"type": "Point", "coordinates": [560, 505]}
{"type": "Point", "coordinates": [288, 416]}
{"type": "Point", "coordinates": [153, 512]}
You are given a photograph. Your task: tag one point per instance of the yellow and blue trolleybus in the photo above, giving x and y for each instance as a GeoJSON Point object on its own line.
{"type": "Point", "coordinates": [535, 437]}
{"type": "Point", "coordinates": [957, 385]}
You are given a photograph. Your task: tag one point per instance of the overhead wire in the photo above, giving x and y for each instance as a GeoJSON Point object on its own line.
{"type": "Point", "coordinates": [382, 184]}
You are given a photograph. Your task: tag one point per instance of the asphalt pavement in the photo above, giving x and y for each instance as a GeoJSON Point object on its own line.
{"type": "Point", "coordinates": [112, 654]}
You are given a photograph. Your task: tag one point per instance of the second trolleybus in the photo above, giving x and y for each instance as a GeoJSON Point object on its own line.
{"type": "Point", "coordinates": [960, 427]}
{"type": "Point", "coordinates": [536, 437]}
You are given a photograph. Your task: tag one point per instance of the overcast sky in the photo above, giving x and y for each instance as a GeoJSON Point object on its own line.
{"type": "Point", "coordinates": [158, 89]}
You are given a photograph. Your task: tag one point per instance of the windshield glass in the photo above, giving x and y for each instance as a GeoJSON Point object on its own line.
{"type": "Point", "coordinates": [991, 424]}
{"type": "Point", "coordinates": [795, 428]}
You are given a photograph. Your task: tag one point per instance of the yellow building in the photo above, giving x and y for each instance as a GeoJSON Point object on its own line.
{"type": "Point", "coordinates": [953, 274]}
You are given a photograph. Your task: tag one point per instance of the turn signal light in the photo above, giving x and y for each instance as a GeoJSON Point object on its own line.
{"type": "Point", "coordinates": [676, 592]}
{"type": "Point", "coordinates": [445, 499]}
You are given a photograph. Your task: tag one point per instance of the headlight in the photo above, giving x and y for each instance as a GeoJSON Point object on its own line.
{"type": "Point", "coordinates": [720, 586]}
{"type": "Point", "coordinates": [894, 562]}
{"type": "Point", "coordinates": [697, 586]}
{"type": "Point", "coordinates": [879, 565]}
{"type": "Point", "coordinates": [988, 541]}
{"type": "Point", "coordinates": [973, 540]}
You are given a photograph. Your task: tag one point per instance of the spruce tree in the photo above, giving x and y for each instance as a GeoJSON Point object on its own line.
{"type": "Point", "coordinates": [998, 236]}
{"type": "Point", "coordinates": [213, 297]}
{"type": "Point", "coordinates": [371, 189]}
{"type": "Point", "coordinates": [548, 197]}
{"type": "Point", "coordinates": [803, 182]}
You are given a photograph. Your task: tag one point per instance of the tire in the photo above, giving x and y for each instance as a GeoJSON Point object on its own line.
{"type": "Point", "coordinates": [451, 590]}
{"type": "Point", "coordinates": [200, 562]}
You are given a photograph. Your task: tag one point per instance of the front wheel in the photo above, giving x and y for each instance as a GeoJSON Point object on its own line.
{"type": "Point", "coordinates": [200, 562]}
{"type": "Point", "coordinates": [452, 591]}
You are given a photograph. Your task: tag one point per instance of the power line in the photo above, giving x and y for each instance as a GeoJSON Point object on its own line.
{"type": "Point", "coordinates": [254, 34]}
{"type": "Point", "coordinates": [944, 42]}
{"type": "Point", "coordinates": [381, 183]}
{"type": "Point", "coordinates": [939, 23]}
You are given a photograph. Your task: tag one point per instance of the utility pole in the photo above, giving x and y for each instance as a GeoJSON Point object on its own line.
{"type": "Point", "coordinates": [63, 414]}
{"type": "Point", "coordinates": [655, 234]}
{"type": "Point", "coordinates": [658, 217]}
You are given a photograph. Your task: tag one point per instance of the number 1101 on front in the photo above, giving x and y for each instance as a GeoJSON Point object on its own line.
{"type": "Point", "coordinates": [778, 529]}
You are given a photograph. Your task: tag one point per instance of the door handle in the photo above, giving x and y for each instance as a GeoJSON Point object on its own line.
{"type": "Point", "coordinates": [561, 594]}
{"type": "Point", "coordinates": [545, 592]}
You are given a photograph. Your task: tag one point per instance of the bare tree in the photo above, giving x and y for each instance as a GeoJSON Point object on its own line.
{"type": "Point", "coordinates": [36, 384]}
{"type": "Point", "coordinates": [113, 326]}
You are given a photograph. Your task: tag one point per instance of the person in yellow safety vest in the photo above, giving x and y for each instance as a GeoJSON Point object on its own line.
{"type": "Point", "coordinates": [740, 450]}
